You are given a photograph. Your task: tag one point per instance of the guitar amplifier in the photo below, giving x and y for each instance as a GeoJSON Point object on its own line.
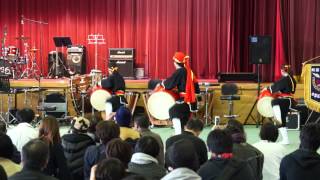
{"type": "Point", "coordinates": [125, 67]}
{"type": "Point", "coordinates": [122, 54]}
{"type": "Point", "coordinates": [293, 121]}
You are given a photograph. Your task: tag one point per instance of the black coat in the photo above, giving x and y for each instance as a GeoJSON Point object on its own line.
{"type": "Point", "coordinates": [74, 146]}
{"type": "Point", "coordinates": [300, 164]}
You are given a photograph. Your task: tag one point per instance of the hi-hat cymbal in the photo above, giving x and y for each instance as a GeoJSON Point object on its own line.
{"type": "Point", "coordinates": [22, 38]}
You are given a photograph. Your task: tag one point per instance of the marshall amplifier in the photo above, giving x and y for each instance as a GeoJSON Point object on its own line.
{"type": "Point", "coordinates": [125, 67]}
{"type": "Point", "coordinates": [122, 53]}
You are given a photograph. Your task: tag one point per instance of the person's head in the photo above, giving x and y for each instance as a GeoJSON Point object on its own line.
{"type": "Point", "coordinates": [80, 125]}
{"type": "Point", "coordinates": [182, 154]}
{"type": "Point", "coordinates": [181, 112]}
{"type": "Point", "coordinates": [107, 130]}
{"type": "Point", "coordinates": [179, 59]}
{"type": "Point", "coordinates": [195, 126]}
{"type": "Point", "coordinates": [6, 146]}
{"type": "Point", "coordinates": [269, 132]}
{"type": "Point", "coordinates": [25, 115]}
{"type": "Point", "coordinates": [110, 169]}
{"type": "Point", "coordinates": [310, 137]}
{"type": "Point", "coordinates": [119, 149]}
{"type": "Point", "coordinates": [3, 174]}
{"type": "Point", "coordinates": [49, 130]}
{"type": "Point", "coordinates": [235, 128]}
{"type": "Point", "coordinates": [219, 141]}
{"type": "Point", "coordinates": [147, 145]}
{"type": "Point", "coordinates": [285, 69]}
{"type": "Point", "coordinates": [112, 67]}
{"type": "Point", "coordinates": [141, 122]}
{"type": "Point", "coordinates": [3, 127]}
{"type": "Point", "coordinates": [35, 154]}
{"type": "Point", "coordinates": [123, 117]}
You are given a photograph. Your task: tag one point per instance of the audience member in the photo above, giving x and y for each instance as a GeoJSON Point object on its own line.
{"type": "Point", "coordinates": [94, 120]}
{"type": "Point", "coordinates": [144, 162]}
{"type": "Point", "coordinates": [134, 177]}
{"type": "Point", "coordinates": [191, 132]}
{"type": "Point", "coordinates": [179, 115]}
{"type": "Point", "coordinates": [304, 163]}
{"type": "Point", "coordinates": [3, 175]}
{"type": "Point", "coordinates": [222, 165]}
{"type": "Point", "coordinates": [183, 160]}
{"type": "Point", "coordinates": [111, 169]}
{"type": "Point", "coordinates": [23, 132]}
{"type": "Point", "coordinates": [123, 119]}
{"type": "Point", "coordinates": [243, 150]}
{"type": "Point", "coordinates": [16, 157]}
{"type": "Point", "coordinates": [141, 124]}
{"type": "Point", "coordinates": [6, 152]}
{"type": "Point", "coordinates": [105, 131]}
{"type": "Point", "coordinates": [272, 151]}
{"type": "Point", "coordinates": [57, 164]}
{"type": "Point", "coordinates": [117, 148]}
{"type": "Point", "coordinates": [75, 145]}
{"type": "Point", "coordinates": [35, 156]}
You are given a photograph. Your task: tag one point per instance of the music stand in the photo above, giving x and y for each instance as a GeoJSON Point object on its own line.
{"type": "Point", "coordinates": [59, 42]}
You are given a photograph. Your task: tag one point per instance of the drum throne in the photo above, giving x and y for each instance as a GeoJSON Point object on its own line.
{"type": "Point", "coordinates": [229, 93]}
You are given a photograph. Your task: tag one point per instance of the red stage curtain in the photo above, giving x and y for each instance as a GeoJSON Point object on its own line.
{"type": "Point", "coordinates": [213, 32]}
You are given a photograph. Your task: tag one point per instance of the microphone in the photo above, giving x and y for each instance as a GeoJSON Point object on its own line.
{"type": "Point", "coordinates": [207, 84]}
{"type": "Point", "coordinates": [22, 20]}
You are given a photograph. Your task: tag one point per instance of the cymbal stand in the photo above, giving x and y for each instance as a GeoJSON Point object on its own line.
{"type": "Point", "coordinates": [33, 71]}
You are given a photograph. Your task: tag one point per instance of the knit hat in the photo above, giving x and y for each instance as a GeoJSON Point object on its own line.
{"type": "Point", "coordinates": [80, 124]}
{"type": "Point", "coordinates": [123, 116]}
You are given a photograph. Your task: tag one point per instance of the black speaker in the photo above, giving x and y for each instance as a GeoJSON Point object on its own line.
{"type": "Point", "coordinates": [260, 49]}
{"type": "Point", "coordinates": [57, 102]}
{"type": "Point", "coordinates": [293, 121]}
{"type": "Point", "coordinates": [125, 67]}
{"type": "Point", "coordinates": [76, 60]}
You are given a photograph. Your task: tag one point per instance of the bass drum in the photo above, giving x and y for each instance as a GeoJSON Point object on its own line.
{"type": "Point", "coordinates": [159, 103]}
{"type": "Point", "coordinates": [98, 98]}
{"type": "Point", "coordinates": [264, 106]}
{"type": "Point", "coordinates": [80, 85]}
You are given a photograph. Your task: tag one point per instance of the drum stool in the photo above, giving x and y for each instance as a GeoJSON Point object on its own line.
{"type": "Point", "coordinates": [229, 93]}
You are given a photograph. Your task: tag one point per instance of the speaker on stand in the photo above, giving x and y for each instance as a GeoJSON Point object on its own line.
{"type": "Point", "coordinates": [76, 60]}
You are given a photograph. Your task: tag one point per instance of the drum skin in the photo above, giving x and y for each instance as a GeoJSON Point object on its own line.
{"type": "Point", "coordinates": [159, 103]}
{"type": "Point", "coordinates": [264, 106]}
{"type": "Point", "coordinates": [98, 98]}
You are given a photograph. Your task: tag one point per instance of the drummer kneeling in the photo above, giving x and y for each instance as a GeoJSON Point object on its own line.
{"type": "Point", "coordinates": [281, 105]}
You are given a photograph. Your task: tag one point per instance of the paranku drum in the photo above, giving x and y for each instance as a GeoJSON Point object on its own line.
{"type": "Point", "coordinates": [98, 98]}
{"type": "Point", "coordinates": [159, 103]}
{"type": "Point", "coordinates": [264, 106]}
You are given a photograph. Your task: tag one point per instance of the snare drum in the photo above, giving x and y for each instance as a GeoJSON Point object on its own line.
{"type": "Point", "coordinates": [160, 101]}
{"type": "Point", "coordinates": [264, 106]}
{"type": "Point", "coordinates": [98, 98]}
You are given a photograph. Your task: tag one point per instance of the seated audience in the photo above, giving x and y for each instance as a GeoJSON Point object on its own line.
{"type": "Point", "coordinates": [123, 119]}
{"type": "Point", "coordinates": [272, 151]}
{"type": "Point", "coordinates": [117, 148]}
{"type": "Point", "coordinates": [222, 164]}
{"type": "Point", "coordinates": [57, 164]}
{"type": "Point", "coordinates": [23, 132]}
{"type": "Point", "coordinates": [35, 156]}
{"type": "Point", "coordinates": [191, 132]}
{"type": "Point", "coordinates": [16, 157]}
{"type": "Point", "coordinates": [75, 145]}
{"type": "Point", "coordinates": [3, 175]}
{"type": "Point", "coordinates": [141, 124]}
{"type": "Point", "coordinates": [304, 163]}
{"type": "Point", "coordinates": [6, 152]}
{"type": "Point", "coordinates": [144, 162]}
{"type": "Point", "coordinates": [243, 150]}
{"type": "Point", "coordinates": [105, 131]}
{"type": "Point", "coordinates": [111, 169]}
{"type": "Point", "coordinates": [179, 114]}
{"type": "Point", "coordinates": [183, 160]}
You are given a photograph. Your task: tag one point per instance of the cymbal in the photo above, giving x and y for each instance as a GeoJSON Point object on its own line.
{"type": "Point", "coordinates": [22, 38]}
{"type": "Point", "coordinates": [34, 49]}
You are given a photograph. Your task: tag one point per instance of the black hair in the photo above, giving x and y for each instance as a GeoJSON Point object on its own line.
{"type": "Point", "coordinates": [25, 115]}
{"type": "Point", "coordinates": [219, 141]}
{"type": "Point", "coordinates": [119, 149]}
{"type": "Point", "coordinates": [3, 127]}
{"type": "Point", "coordinates": [235, 128]}
{"type": "Point", "coordinates": [6, 146]}
{"type": "Point", "coordinates": [183, 154]}
{"type": "Point", "coordinates": [195, 125]}
{"type": "Point", "coordinates": [107, 130]}
{"type": "Point", "coordinates": [35, 154]}
{"type": "Point", "coordinates": [134, 177]}
{"type": "Point", "coordinates": [3, 174]}
{"type": "Point", "coordinates": [148, 145]}
{"type": "Point", "coordinates": [310, 137]}
{"type": "Point", "coordinates": [142, 121]}
{"type": "Point", "coordinates": [110, 169]}
{"type": "Point", "coordinates": [269, 132]}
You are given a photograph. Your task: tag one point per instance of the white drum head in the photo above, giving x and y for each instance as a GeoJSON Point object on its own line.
{"type": "Point", "coordinates": [98, 99]}
{"type": "Point", "coordinates": [159, 104]}
{"type": "Point", "coordinates": [264, 106]}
